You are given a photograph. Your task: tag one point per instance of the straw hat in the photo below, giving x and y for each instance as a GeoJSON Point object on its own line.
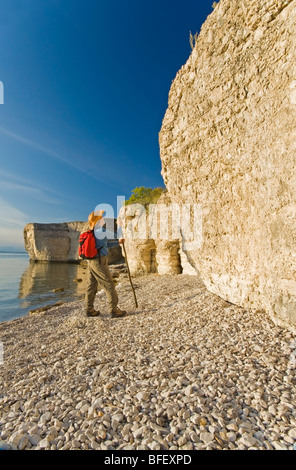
{"type": "Point", "coordinates": [94, 218]}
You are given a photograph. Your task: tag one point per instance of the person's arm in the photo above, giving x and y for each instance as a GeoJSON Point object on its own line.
{"type": "Point", "coordinates": [120, 235]}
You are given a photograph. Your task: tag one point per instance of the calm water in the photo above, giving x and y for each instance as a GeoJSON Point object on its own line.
{"type": "Point", "coordinates": [25, 285]}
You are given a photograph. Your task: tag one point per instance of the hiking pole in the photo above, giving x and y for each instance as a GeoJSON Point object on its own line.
{"type": "Point", "coordinates": [129, 274]}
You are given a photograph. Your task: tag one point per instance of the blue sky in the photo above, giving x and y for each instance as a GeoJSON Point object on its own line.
{"type": "Point", "coordinates": [86, 87]}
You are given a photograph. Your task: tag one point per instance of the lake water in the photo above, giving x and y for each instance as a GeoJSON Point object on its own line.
{"type": "Point", "coordinates": [26, 285]}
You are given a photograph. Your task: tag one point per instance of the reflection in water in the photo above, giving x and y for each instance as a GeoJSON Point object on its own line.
{"type": "Point", "coordinates": [27, 285]}
{"type": "Point", "coordinates": [49, 282]}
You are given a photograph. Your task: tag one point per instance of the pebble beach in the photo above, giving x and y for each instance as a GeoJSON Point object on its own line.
{"type": "Point", "coordinates": [186, 370]}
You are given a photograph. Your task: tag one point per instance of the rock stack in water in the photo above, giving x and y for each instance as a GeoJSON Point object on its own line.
{"type": "Point", "coordinates": [60, 241]}
{"type": "Point", "coordinates": [228, 142]}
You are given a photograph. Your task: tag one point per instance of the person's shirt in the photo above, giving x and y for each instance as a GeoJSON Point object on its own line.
{"type": "Point", "coordinates": [102, 235]}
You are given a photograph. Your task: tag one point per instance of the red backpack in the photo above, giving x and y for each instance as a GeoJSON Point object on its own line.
{"type": "Point", "coordinates": [87, 245]}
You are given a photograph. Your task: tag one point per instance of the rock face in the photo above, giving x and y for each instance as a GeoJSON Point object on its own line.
{"type": "Point", "coordinates": [228, 142]}
{"type": "Point", "coordinates": [59, 242]}
{"type": "Point", "coordinates": [147, 250]}
{"type": "Point", "coordinates": [152, 239]}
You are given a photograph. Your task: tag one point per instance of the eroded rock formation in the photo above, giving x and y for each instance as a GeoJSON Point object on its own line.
{"type": "Point", "coordinates": [228, 142]}
{"type": "Point", "coordinates": [151, 243]}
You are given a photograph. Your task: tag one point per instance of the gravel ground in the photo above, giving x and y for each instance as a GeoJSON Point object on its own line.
{"type": "Point", "coordinates": [184, 371]}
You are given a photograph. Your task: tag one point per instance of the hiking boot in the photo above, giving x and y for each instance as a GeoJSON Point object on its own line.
{"type": "Point", "coordinates": [117, 313]}
{"type": "Point", "coordinates": [91, 312]}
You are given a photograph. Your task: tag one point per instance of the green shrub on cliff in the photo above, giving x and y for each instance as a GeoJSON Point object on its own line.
{"type": "Point", "coordinates": [145, 196]}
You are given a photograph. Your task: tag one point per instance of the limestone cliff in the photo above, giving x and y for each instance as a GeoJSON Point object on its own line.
{"type": "Point", "coordinates": [228, 142]}
{"type": "Point", "coordinates": [151, 245]}
{"type": "Point", "coordinates": [59, 241]}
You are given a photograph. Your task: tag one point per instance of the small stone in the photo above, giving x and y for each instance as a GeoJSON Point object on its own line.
{"type": "Point", "coordinates": [84, 409]}
{"type": "Point", "coordinates": [187, 446]}
{"type": "Point", "coordinates": [23, 443]}
{"type": "Point", "coordinates": [118, 417]}
{"type": "Point", "coordinates": [126, 429]}
{"type": "Point", "coordinates": [194, 437]}
{"type": "Point", "coordinates": [15, 407]}
{"type": "Point", "coordinates": [154, 445]}
{"type": "Point", "coordinates": [15, 439]}
{"type": "Point", "coordinates": [188, 390]}
{"type": "Point", "coordinates": [51, 437]}
{"type": "Point", "coordinates": [95, 445]}
{"type": "Point", "coordinates": [142, 396]}
{"type": "Point", "coordinates": [207, 437]}
{"type": "Point", "coordinates": [45, 417]}
{"type": "Point", "coordinates": [182, 440]}
{"type": "Point", "coordinates": [195, 419]}
{"type": "Point", "coordinates": [223, 435]}
{"type": "Point", "coordinates": [34, 439]}
{"type": "Point", "coordinates": [231, 436]}
{"type": "Point", "coordinates": [279, 445]}
{"type": "Point", "coordinates": [292, 433]}
{"type": "Point", "coordinates": [101, 434]}
{"type": "Point", "coordinates": [44, 443]}
{"type": "Point", "coordinates": [289, 439]}
{"type": "Point", "coordinates": [138, 433]}
{"type": "Point", "coordinates": [109, 385]}
{"type": "Point", "coordinates": [5, 446]}
{"type": "Point", "coordinates": [76, 444]}
{"type": "Point", "coordinates": [232, 427]}
{"type": "Point", "coordinates": [203, 422]}
{"type": "Point", "coordinates": [248, 440]}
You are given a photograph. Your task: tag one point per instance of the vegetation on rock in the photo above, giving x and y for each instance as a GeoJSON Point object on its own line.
{"type": "Point", "coordinates": [145, 196]}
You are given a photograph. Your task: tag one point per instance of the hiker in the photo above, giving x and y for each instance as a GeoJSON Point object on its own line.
{"type": "Point", "coordinates": [98, 269]}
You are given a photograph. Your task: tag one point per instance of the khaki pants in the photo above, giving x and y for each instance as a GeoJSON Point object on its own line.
{"type": "Point", "coordinates": [99, 276]}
